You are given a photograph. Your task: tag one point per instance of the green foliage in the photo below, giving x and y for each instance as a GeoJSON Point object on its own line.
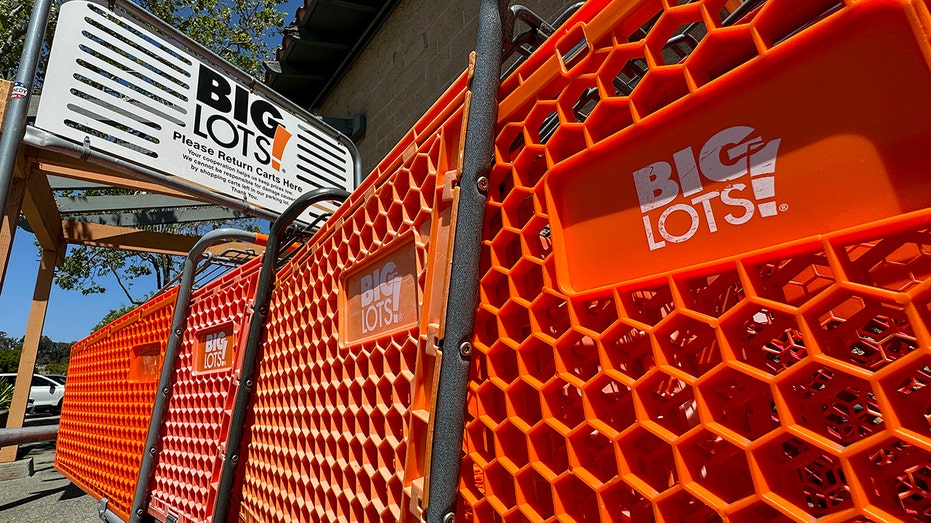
{"type": "Point", "coordinates": [85, 268]}
{"type": "Point", "coordinates": [233, 29]}
{"type": "Point", "coordinates": [52, 352]}
{"type": "Point", "coordinates": [6, 396]}
{"type": "Point", "coordinates": [59, 367]}
{"type": "Point", "coordinates": [9, 343]}
{"type": "Point", "coordinates": [9, 360]}
{"type": "Point", "coordinates": [137, 274]}
{"type": "Point", "coordinates": [52, 356]}
{"type": "Point", "coordinates": [9, 352]}
{"type": "Point", "coordinates": [14, 19]}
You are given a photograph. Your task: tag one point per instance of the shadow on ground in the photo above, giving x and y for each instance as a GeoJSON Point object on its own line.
{"type": "Point", "coordinates": [47, 496]}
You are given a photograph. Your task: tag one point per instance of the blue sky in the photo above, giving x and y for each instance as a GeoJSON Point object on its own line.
{"type": "Point", "coordinates": [289, 7]}
{"type": "Point", "coordinates": [70, 314]}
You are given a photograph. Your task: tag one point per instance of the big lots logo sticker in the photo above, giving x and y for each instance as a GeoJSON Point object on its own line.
{"type": "Point", "coordinates": [215, 350]}
{"type": "Point", "coordinates": [381, 298]}
{"type": "Point", "coordinates": [380, 295]}
{"type": "Point", "coordinates": [675, 199]}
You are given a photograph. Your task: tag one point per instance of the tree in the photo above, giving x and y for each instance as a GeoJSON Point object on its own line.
{"type": "Point", "coordinates": [234, 29]}
{"type": "Point", "coordinates": [13, 23]}
{"type": "Point", "coordinates": [8, 343]}
{"type": "Point", "coordinates": [9, 360]}
{"type": "Point", "coordinates": [10, 349]}
{"type": "Point", "coordinates": [52, 352]}
{"type": "Point", "coordinates": [111, 316]}
{"type": "Point", "coordinates": [85, 267]}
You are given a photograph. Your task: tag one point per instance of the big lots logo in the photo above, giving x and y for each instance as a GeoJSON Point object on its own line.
{"type": "Point", "coordinates": [675, 203]}
{"type": "Point", "coordinates": [233, 118]}
{"type": "Point", "coordinates": [381, 298]}
{"type": "Point", "coordinates": [216, 351]}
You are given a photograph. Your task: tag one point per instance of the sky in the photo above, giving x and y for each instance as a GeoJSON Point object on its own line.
{"type": "Point", "coordinates": [70, 315]}
{"type": "Point", "coordinates": [290, 7]}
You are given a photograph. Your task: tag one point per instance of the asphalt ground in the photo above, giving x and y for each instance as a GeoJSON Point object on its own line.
{"type": "Point", "coordinates": [47, 496]}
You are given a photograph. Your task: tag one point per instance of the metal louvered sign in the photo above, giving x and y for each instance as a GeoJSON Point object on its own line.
{"type": "Point", "coordinates": [152, 97]}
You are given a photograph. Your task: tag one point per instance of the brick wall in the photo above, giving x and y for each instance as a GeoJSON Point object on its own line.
{"type": "Point", "coordinates": [422, 47]}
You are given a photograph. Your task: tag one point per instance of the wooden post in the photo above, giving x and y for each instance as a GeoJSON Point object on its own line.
{"type": "Point", "coordinates": [10, 218]}
{"type": "Point", "coordinates": [5, 86]}
{"type": "Point", "coordinates": [14, 202]}
{"type": "Point", "coordinates": [27, 361]}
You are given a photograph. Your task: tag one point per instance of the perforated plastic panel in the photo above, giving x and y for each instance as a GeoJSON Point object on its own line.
{"type": "Point", "coordinates": [768, 370]}
{"type": "Point", "coordinates": [107, 406]}
{"type": "Point", "coordinates": [341, 417]}
{"type": "Point", "coordinates": [704, 294]}
{"type": "Point", "coordinates": [197, 418]}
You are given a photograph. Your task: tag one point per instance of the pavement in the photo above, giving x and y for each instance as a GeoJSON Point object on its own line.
{"type": "Point", "coordinates": [47, 496]}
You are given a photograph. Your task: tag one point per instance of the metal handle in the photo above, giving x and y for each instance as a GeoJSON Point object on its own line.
{"type": "Point", "coordinates": [263, 293]}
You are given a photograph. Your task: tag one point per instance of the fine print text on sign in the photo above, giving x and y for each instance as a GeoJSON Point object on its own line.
{"type": "Point", "coordinates": [140, 96]}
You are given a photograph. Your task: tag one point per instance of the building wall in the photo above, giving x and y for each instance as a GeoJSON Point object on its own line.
{"type": "Point", "coordinates": [418, 52]}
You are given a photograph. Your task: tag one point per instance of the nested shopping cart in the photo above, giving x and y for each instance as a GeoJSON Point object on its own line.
{"type": "Point", "coordinates": [702, 279]}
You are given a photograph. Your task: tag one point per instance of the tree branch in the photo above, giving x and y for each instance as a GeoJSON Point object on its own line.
{"type": "Point", "coordinates": [119, 281]}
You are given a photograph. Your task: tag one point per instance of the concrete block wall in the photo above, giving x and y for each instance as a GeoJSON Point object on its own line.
{"type": "Point", "coordinates": [416, 54]}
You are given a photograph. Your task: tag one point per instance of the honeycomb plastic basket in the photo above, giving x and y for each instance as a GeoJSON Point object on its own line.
{"type": "Point", "coordinates": [112, 376]}
{"type": "Point", "coordinates": [341, 414]}
{"type": "Point", "coordinates": [706, 276]}
{"type": "Point", "coordinates": [196, 423]}
{"type": "Point", "coordinates": [105, 414]}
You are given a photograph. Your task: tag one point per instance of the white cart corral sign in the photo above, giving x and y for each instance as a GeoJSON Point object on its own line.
{"type": "Point", "coordinates": [149, 98]}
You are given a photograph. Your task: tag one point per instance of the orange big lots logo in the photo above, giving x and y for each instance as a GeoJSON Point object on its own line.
{"type": "Point", "coordinates": [380, 295]}
{"type": "Point", "coordinates": [215, 351]}
{"type": "Point", "coordinates": [673, 199]}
